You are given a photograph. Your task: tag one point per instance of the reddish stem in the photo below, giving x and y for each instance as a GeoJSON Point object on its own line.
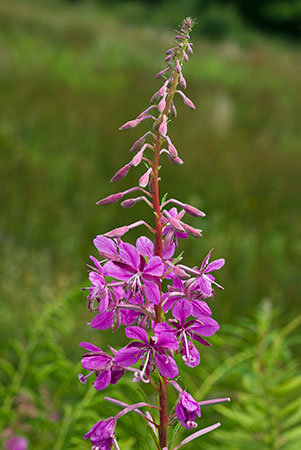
{"type": "Point", "coordinates": [159, 252]}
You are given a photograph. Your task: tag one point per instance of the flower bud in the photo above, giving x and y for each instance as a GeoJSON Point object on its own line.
{"type": "Point", "coordinates": [138, 157]}
{"type": "Point", "coordinates": [176, 224]}
{"type": "Point", "coordinates": [117, 232]}
{"type": "Point", "coordinates": [194, 232]}
{"type": "Point", "coordinates": [189, 48]}
{"type": "Point", "coordinates": [144, 113]}
{"type": "Point", "coordinates": [178, 67]}
{"type": "Point", "coordinates": [111, 199]}
{"type": "Point", "coordinates": [172, 149]}
{"type": "Point", "coordinates": [193, 211]}
{"type": "Point", "coordinates": [186, 100]}
{"type": "Point", "coordinates": [180, 273]}
{"type": "Point", "coordinates": [129, 203]}
{"type": "Point", "coordinates": [163, 126]}
{"type": "Point", "coordinates": [155, 97]}
{"type": "Point", "coordinates": [130, 124]}
{"type": "Point", "coordinates": [162, 72]}
{"type": "Point", "coordinates": [163, 88]}
{"type": "Point", "coordinates": [121, 173]}
{"type": "Point", "coordinates": [183, 82]}
{"type": "Point", "coordinates": [176, 160]}
{"type": "Point", "coordinates": [162, 104]}
{"type": "Point", "coordinates": [143, 181]}
{"type": "Point", "coordinates": [172, 111]}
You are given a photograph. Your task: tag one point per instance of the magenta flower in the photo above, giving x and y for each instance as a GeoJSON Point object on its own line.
{"type": "Point", "coordinates": [189, 291]}
{"type": "Point", "coordinates": [98, 291]}
{"type": "Point", "coordinates": [192, 330]}
{"type": "Point", "coordinates": [149, 349]}
{"type": "Point", "coordinates": [99, 362]}
{"type": "Point", "coordinates": [187, 409]}
{"type": "Point", "coordinates": [102, 434]}
{"type": "Point", "coordinates": [140, 276]}
{"type": "Point", "coordinates": [174, 230]}
{"type": "Point", "coordinates": [117, 312]}
{"type": "Point", "coordinates": [205, 279]}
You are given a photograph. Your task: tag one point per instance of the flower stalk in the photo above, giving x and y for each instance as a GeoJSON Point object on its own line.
{"type": "Point", "coordinates": [127, 283]}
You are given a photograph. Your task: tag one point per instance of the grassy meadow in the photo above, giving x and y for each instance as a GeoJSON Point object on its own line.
{"type": "Point", "coordinates": [69, 77]}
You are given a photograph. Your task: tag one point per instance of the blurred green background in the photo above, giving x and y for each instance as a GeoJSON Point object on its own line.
{"type": "Point", "coordinates": [71, 72]}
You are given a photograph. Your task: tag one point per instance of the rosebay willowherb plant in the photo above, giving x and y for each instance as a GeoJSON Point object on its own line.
{"type": "Point", "coordinates": [146, 287]}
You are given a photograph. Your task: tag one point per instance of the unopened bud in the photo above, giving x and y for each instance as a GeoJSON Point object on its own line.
{"type": "Point", "coordinates": [176, 224]}
{"type": "Point", "coordinates": [117, 232]}
{"type": "Point", "coordinates": [138, 157]}
{"type": "Point", "coordinates": [163, 126]}
{"type": "Point", "coordinates": [111, 199]}
{"type": "Point", "coordinates": [192, 231]}
{"type": "Point", "coordinates": [183, 81]}
{"type": "Point", "coordinates": [155, 97]}
{"type": "Point", "coordinates": [162, 72]}
{"type": "Point", "coordinates": [121, 173]}
{"type": "Point", "coordinates": [173, 111]}
{"type": "Point", "coordinates": [144, 113]}
{"type": "Point", "coordinates": [193, 211]}
{"type": "Point", "coordinates": [172, 149]}
{"type": "Point", "coordinates": [162, 104]}
{"type": "Point", "coordinates": [178, 161]}
{"type": "Point", "coordinates": [186, 100]}
{"type": "Point", "coordinates": [129, 203]}
{"type": "Point", "coordinates": [143, 181]}
{"type": "Point", "coordinates": [180, 273]}
{"type": "Point", "coordinates": [130, 124]}
{"type": "Point", "coordinates": [163, 88]}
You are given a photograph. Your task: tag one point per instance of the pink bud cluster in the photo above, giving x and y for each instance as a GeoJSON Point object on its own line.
{"type": "Point", "coordinates": [146, 288]}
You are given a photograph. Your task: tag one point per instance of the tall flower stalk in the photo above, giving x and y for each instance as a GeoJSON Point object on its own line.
{"type": "Point", "coordinates": [147, 288]}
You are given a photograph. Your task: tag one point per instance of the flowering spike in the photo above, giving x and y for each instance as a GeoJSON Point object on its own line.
{"type": "Point", "coordinates": [161, 302]}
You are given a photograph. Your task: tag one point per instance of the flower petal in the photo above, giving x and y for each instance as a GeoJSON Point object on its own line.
{"type": "Point", "coordinates": [128, 356]}
{"type": "Point", "coordinates": [117, 271]}
{"type": "Point", "coordinates": [182, 310]}
{"type": "Point", "coordinates": [129, 254]}
{"type": "Point", "coordinates": [106, 247]}
{"type": "Point", "coordinates": [166, 366]}
{"type": "Point", "coordinates": [209, 328]}
{"type": "Point", "coordinates": [154, 267]}
{"type": "Point", "coordinates": [152, 292]}
{"type": "Point", "coordinates": [145, 246]}
{"type": "Point", "coordinates": [215, 265]}
{"type": "Point", "coordinates": [137, 333]}
{"type": "Point", "coordinates": [103, 320]}
{"type": "Point", "coordinates": [90, 347]}
{"type": "Point", "coordinates": [103, 380]}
